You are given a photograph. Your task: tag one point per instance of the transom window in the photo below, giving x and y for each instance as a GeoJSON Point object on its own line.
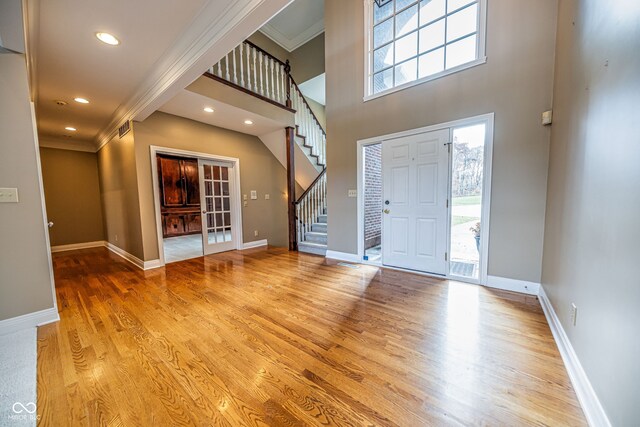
{"type": "Point", "coordinates": [413, 41]}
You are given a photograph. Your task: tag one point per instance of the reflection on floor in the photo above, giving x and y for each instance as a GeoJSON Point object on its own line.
{"type": "Point", "coordinates": [183, 247]}
{"type": "Point", "coordinates": [373, 254]}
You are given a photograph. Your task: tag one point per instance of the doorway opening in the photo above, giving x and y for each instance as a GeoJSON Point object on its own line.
{"type": "Point", "coordinates": [179, 188]}
{"type": "Point", "coordinates": [435, 188]}
{"type": "Point", "coordinates": [467, 180]}
{"type": "Point", "coordinates": [373, 203]}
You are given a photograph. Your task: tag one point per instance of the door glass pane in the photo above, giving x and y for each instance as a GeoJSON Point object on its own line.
{"type": "Point", "coordinates": [216, 172]}
{"type": "Point", "coordinates": [226, 205]}
{"type": "Point", "coordinates": [216, 188]}
{"type": "Point", "coordinates": [225, 188]}
{"type": "Point", "coordinates": [218, 206]}
{"type": "Point", "coordinates": [466, 207]}
{"type": "Point", "coordinates": [219, 219]}
{"type": "Point", "coordinates": [381, 13]}
{"type": "Point", "coordinates": [207, 172]}
{"type": "Point", "coordinates": [225, 174]}
{"type": "Point", "coordinates": [227, 218]}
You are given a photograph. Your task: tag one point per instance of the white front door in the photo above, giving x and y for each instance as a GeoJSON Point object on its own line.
{"type": "Point", "coordinates": [217, 197]}
{"type": "Point", "coordinates": [415, 171]}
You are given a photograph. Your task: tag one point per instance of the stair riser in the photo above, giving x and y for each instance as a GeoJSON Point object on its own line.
{"type": "Point", "coordinates": [319, 228]}
{"type": "Point", "coordinates": [315, 238]}
{"type": "Point", "coordinates": [322, 219]}
{"type": "Point", "coordinates": [312, 250]}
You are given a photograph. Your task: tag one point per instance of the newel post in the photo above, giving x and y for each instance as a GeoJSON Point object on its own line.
{"type": "Point", "coordinates": [291, 189]}
{"type": "Point", "coordinates": [287, 70]}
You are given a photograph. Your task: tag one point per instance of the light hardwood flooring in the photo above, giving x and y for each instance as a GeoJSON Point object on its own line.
{"type": "Point", "coordinates": [270, 337]}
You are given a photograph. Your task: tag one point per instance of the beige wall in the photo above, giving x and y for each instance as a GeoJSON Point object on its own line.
{"type": "Point", "coordinates": [515, 83]}
{"type": "Point", "coordinates": [25, 278]}
{"type": "Point", "coordinates": [592, 236]}
{"type": "Point", "coordinates": [119, 193]}
{"type": "Point", "coordinates": [259, 170]}
{"type": "Point", "coordinates": [72, 193]}
{"type": "Point", "coordinates": [319, 110]}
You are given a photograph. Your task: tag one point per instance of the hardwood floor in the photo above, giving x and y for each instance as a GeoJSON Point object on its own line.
{"type": "Point", "coordinates": [268, 337]}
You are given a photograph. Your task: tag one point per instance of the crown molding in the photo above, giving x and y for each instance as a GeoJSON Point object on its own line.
{"type": "Point", "coordinates": [211, 35]}
{"type": "Point", "coordinates": [300, 40]}
{"type": "Point", "coordinates": [67, 144]}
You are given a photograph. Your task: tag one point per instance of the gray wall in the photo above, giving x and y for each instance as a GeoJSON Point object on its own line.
{"type": "Point", "coordinates": [72, 193]}
{"type": "Point", "coordinates": [515, 83]}
{"type": "Point", "coordinates": [25, 279]}
{"type": "Point", "coordinates": [592, 236]}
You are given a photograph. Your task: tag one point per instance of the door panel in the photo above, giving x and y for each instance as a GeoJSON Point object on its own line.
{"type": "Point", "coordinates": [217, 180]}
{"type": "Point", "coordinates": [191, 182]}
{"type": "Point", "coordinates": [415, 185]}
{"type": "Point", "coordinates": [171, 182]}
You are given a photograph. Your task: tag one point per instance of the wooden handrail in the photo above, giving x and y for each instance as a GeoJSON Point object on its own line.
{"type": "Point", "coordinates": [264, 52]}
{"type": "Point", "coordinates": [315, 181]}
{"type": "Point", "coordinates": [294, 84]}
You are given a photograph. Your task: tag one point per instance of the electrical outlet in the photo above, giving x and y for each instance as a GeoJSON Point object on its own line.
{"type": "Point", "coordinates": [245, 203]}
{"type": "Point", "coordinates": [267, 197]}
{"type": "Point", "coordinates": [116, 236]}
{"type": "Point", "coordinates": [244, 197]}
{"type": "Point", "coordinates": [353, 193]}
{"type": "Point", "coordinates": [255, 233]}
{"type": "Point", "coordinates": [574, 314]}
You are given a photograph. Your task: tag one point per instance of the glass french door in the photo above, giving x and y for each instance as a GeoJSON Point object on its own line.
{"type": "Point", "coordinates": [219, 228]}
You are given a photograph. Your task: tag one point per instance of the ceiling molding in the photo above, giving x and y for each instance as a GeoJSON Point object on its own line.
{"type": "Point", "coordinates": [300, 40]}
{"type": "Point", "coordinates": [206, 39]}
{"type": "Point", "coordinates": [67, 144]}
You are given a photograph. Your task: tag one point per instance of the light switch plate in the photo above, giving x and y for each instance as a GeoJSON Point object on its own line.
{"type": "Point", "coordinates": [353, 193]}
{"type": "Point", "coordinates": [8, 195]}
{"type": "Point", "coordinates": [254, 195]}
{"type": "Point", "coordinates": [267, 197]}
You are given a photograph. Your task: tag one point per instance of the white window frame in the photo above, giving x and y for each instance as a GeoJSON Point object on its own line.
{"type": "Point", "coordinates": [368, 53]}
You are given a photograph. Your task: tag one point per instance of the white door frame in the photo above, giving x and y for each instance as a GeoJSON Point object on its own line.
{"type": "Point", "coordinates": [237, 204]}
{"type": "Point", "coordinates": [488, 120]}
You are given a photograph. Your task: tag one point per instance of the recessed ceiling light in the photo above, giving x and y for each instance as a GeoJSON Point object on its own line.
{"type": "Point", "coordinates": [208, 110]}
{"type": "Point", "coordinates": [81, 100]}
{"type": "Point", "coordinates": [248, 122]}
{"type": "Point", "coordinates": [108, 39]}
{"type": "Point", "coordinates": [69, 128]}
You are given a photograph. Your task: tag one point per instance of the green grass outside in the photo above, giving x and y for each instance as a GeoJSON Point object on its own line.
{"type": "Point", "coordinates": [467, 200]}
{"type": "Point", "coordinates": [457, 220]}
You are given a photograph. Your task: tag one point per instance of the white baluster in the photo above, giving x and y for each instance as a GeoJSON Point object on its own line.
{"type": "Point", "coordinates": [255, 79]}
{"type": "Point", "coordinates": [235, 67]}
{"type": "Point", "coordinates": [241, 65]}
{"type": "Point", "coordinates": [226, 63]}
{"type": "Point", "coordinates": [271, 73]}
{"type": "Point", "coordinates": [261, 75]}
{"type": "Point", "coordinates": [278, 81]}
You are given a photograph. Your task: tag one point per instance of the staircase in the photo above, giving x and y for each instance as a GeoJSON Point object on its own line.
{"type": "Point", "coordinates": [258, 73]}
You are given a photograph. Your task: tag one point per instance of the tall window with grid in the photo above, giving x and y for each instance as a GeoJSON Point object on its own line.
{"type": "Point", "coordinates": [412, 41]}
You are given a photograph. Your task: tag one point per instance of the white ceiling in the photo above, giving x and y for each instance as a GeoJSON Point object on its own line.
{"type": "Point", "coordinates": [300, 22]}
{"type": "Point", "coordinates": [315, 89]}
{"type": "Point", "coordinates": [191, 105]}
{"type": "Point", "coordinates": [164, 46]}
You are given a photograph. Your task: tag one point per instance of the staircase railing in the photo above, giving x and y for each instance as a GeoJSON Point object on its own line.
{"type": "Point", "coordinates": [257, 72]}
{"type": "Point", "coordinates": [309, 125]}
{"type": "Point", "coordinates": [310, 205]}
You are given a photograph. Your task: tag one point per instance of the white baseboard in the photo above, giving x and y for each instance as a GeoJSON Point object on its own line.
{"type": "Point", "coordinates": [254, 244]}
{"type": "Point", "coordinates": [76, 246]}
{"type": "Point", "coordinates": [30, 320]}
{"type": "Point", "coordinates": [150, 265]}
{"type": "Point", "coordinates": [513, 285]}
{"type": "Point", "coordinates": [593, 410]}
{"type": "Point", "coordinates": [126, 255]}
{"type": "Point", "coordinates": [343, 256]}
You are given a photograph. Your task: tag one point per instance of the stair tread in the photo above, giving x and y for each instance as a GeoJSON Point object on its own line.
{"type": "Point", "coordinates": [317, 233]}
{"type": "Point", "coordinates": [313, 244]}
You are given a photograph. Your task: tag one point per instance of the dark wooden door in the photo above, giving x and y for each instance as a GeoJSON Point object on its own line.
{"type": "Point", "coordinates": [171, 182]}
{"type": "Point", "coordinates": [191, 182]}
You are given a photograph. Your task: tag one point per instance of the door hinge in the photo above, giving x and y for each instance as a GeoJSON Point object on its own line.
{"type": "Point", "coordinates": [446, 256]}
{"type": "Point", "coordinates": [447, 203]}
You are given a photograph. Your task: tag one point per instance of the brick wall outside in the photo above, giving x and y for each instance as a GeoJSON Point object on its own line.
{"type": "Point", "coordinates": [372, 195]}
